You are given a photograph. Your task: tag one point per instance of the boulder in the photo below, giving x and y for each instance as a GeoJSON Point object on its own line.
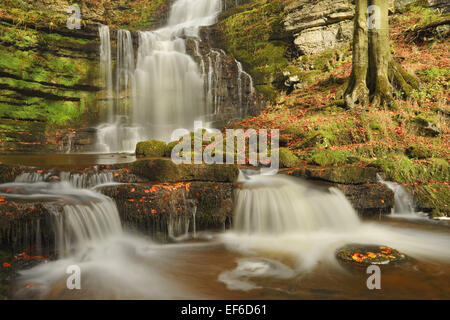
{"type": "Point", "coordinates": [319, 25]}
{"type": "Point", "coordinates": [350, 174]}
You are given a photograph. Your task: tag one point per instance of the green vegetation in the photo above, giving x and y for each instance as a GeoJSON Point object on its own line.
{"type": "Point", "coordinates": [247, 34]}
{"type": "Point", "coordinates": [287, 158]}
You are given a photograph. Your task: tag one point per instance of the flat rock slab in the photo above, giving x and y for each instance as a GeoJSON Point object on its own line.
{"type": "Point", "coordinates": [367, 255]}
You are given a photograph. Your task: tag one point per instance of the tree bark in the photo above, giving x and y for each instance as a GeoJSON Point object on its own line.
{"type": "Point", "coordinates": [374, 71]}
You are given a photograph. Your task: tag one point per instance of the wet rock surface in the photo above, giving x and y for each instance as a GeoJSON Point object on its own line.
{"type": "Point", "coordinates": [359, 185]}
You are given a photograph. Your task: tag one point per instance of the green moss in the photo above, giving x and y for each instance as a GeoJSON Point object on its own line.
{"type": "Point", "coordinates": [287, 158]}
{"type": "Point", "coordinates": [151, 148]}
{"type": "Point", "coordinates": [170, 147]}
{"type": "Point", "coordinates": [328, 158]}
{"type": "Point", "coordinates": [418, 152]}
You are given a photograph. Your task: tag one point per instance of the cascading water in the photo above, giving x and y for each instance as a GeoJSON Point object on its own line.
{"type": "Point", "coordinates": [284, 206]}
{"type": "Point", "coordinates": [106, 68]}
{"type": "Point", "coordinates": [88, 233]}
{"type": "Point", "coordinates": [404, 202]}
{"type": "Point", "coordinates": [166, 89]}
{"type": "Point", "coordinates": [80, 216]}
{"type": "Point", "coordinates": [76, 180]}
{"type": "Point", "coordinates": [286, 219]}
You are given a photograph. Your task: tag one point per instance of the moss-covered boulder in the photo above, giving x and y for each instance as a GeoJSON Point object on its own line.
{"type": "Point", "coordinates": [425, 127]}
{"type": "Point", "coordinates": [287, 158]}
{"type": "Point", "coordinates": [152, 148]}
{"type": "Point", "coordinates": [433, 198]}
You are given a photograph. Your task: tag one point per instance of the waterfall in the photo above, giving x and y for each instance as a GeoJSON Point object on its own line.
{"type": "Point", "coordinates": [125, 84]}
{"type": "Point", "coordinates": [404, 202]}
{"type": "Point", "coordinates": [165, 89]}
{"type": "Point", "coordinates": [280, 204]}
{"type": "Point", "coordinates": [117, 134]}
{"type": "Point", "coordinates": [106, 68]}
{"type": "Point", "coordinates": [80, 216]}
{"type": "Point", "coordinates": [285, 219]}
{"type": "Point", "coordinates": [241, 76]}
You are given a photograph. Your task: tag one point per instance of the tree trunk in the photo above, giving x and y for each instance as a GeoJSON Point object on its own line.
{"type": "Point", "coordinates": [374, 72]}
{"type": "Point", "coordinates": [357, 91]}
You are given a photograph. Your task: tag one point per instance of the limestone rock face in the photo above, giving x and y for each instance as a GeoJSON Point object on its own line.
{"type": "Point", "coordinates": [322, 25]}
{"type": "Point", "coordinates": [319, 25]}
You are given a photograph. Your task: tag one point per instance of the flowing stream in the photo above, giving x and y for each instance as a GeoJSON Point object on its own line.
{"type": "Point", "coordinates": [282, 244]}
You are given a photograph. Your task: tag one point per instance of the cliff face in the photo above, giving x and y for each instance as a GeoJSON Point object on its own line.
{"type": "Point", "coordinates": [49, 73]}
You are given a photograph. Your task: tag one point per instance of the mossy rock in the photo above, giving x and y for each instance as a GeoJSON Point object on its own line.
{"type": "Point", "coordinates": [328, 158]}
{"type": "Point", "coordinates": [418, 152]}
{"type": "Point", "coordinates": [165, 170]}
{"type": "Point", "coordinates": [425, 127]}
{"type": "Point", "coordinates": [287, 158]}
{"type": "Point", "coordinates": [433, 198]}
{"type": "Point", "coordinates": [367, 255]}
{"type": "Point", "coordinates": [349, 174]}
{"type": "Point", "coordinates": [152, 148]}
{"type": "Point", "coordinates": [169, 148]}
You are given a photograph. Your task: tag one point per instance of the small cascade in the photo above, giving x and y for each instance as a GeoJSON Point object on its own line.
{"type": "Point", "coordinates": [404, 202]}
{"type": "Point", "coordinates": [214, 81]}
{"type": "Point", "coordinates": [244, 79]}
{"type": "Point", "coordinates": [79, 216]}
{"type": "Point", "coordinates": [281, 204]}
{"type": "Point", "coordinates": [87, 180]}
{"type": "Point", "coordinates": [31, 177]}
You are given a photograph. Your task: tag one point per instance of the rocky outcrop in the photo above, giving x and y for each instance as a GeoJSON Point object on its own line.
{"type": "Point", "coordinates": [319, 25]}
{"type": "Point", "coordinates": [164, 210]}
{"type": "Point", "coordinates": [323, 25]}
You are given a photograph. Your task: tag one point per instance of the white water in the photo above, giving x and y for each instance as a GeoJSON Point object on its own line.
{"type": "Point", "coordinates": [404, 206]}
{"type": "Point", "coordinates": [166, 87]}
{"type": "Point", "coordinates": [76, 180]}
{"type": "Point", "coordinates": [88, 234]}
{"type": "Point", "coordinates": [281, 218]}
{"type": "Point", "coordinates": [106, 68]}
